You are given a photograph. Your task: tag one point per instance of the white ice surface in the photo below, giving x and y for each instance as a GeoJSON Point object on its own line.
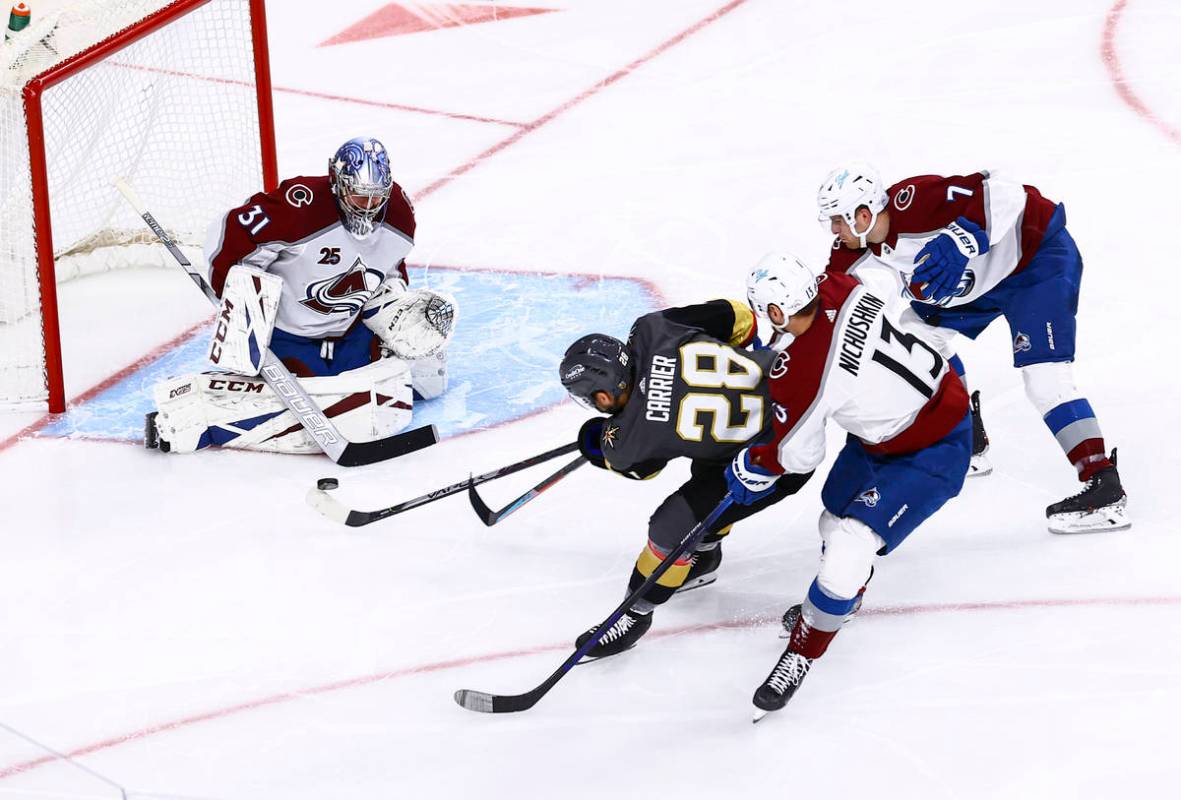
{"type": "Point", "coordinates": [187, 627]}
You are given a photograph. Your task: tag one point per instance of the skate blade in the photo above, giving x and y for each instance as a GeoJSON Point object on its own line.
{"type": "Point", "coordinates": [979, 466]}
{"type": "Point", "coordinates": [1098, 521]}
{"type": "Point", "coordinates": [758, 714]}
{"type": "Point", "coordinates": [696, 583]}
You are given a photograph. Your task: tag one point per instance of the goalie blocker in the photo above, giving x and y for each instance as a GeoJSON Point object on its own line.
{"type": "Point", "coordinates": [400, 350]}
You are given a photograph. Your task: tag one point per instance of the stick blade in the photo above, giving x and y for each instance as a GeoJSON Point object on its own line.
{"type": "Point", "coordinates": [327, 505]}
{"type": "Point", "coordinates": [333, 509]}
{"type": "Point", "coordinates": [486, 514]}
{"type": "Point", "coordinates": [487, 703]}
{"type": "Point", "coordinates": [356, 454]}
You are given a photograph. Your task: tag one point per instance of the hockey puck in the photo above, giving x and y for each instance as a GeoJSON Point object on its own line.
{"type": "Point", "coordinates": [327, 483]}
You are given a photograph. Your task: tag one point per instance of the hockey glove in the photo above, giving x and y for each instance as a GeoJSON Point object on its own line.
{"type": "Point", "coordinates": [942, 260]}
{"type": "Point", "coordinates": [748, 482]}
{"type": "Point", "coordinates": [590, 441]}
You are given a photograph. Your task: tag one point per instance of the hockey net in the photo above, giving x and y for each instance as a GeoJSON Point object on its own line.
{"type": "Point", "coordinates": [173, 96]}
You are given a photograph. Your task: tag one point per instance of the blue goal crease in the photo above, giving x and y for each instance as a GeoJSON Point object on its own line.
{"type": "Point", "coordinates": [502, 362]}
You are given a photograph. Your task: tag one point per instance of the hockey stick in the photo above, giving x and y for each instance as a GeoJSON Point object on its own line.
{"type": "Point", "coordinates": [490, 517]}
{"type": "Point", "coordinates": [489, 703]}
{"type": "Point", "coordinates": [286, 387]}
{"type": "Point", "coordinates": [319, 499]}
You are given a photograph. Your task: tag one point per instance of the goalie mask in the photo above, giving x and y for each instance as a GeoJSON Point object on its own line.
{"type": "Point", "coordinates": [595, 363]}
{"type": "Point", "coordinates": [359, 174]}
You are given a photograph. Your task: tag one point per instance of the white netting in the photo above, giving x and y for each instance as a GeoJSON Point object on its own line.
{"type": "Point", "coordinates": [175, 113]}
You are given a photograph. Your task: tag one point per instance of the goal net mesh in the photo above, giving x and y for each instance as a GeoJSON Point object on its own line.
{"type": "Point", "coordinates": [175, 113]}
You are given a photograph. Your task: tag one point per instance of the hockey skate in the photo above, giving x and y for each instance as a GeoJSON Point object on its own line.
{"type": "Point", "coordinates": [703, 568]}
{"type": "Point", "coordinates": [980, 465]}
{"type": "Point", "coordinates": [781, 684]}
{"type": "Point", "coordinates": [1102, 505]}
{"type": "Point", "coordinates": [792, 614]}
{"type": "Point", "coordinates": [621, 636]}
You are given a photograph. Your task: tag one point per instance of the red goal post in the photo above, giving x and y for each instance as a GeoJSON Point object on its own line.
{"type": "Point", "coordinates": [177, 99]}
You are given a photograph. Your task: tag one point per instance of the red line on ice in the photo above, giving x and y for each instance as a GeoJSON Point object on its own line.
{"type": "Point", "coordinates": [93, 391]}
{"type": "Point", "coordinates": [549, 116]}
{"type": "Point", "coordinates": [324, 96]}
{"type": "Point", "coordinates": [1115, 70]}
{"type": "Point", "coordinates": [46, 420]}
{"type": "Point", "coordinates": [523, 129]}
{"type": "Point", "coordinates": [440, 666]}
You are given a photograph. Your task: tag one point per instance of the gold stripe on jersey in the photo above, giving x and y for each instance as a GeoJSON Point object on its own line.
{"type": "Point", "coordinates": [744, 323]}
{"type": "Point", "coordinates": [649, 560]}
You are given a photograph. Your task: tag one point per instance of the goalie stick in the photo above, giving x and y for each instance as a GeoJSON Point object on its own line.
{"type": "Point", "coordinates": [284, 384]}
{"type": "Point", "coordinates": [319, 499]}
{"type": "Point", "coordinates": [488, 703]}
{"type": "Point", "coordinates": [490, 517]}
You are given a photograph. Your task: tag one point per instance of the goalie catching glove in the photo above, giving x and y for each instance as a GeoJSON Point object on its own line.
{"type": "Point", "coordinates": [245, 320]}
{"type": "Point", "coordinates": [411, 323]}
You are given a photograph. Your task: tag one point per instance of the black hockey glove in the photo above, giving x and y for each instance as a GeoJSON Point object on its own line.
{"type": "Point", "coordinates": [590, 441]}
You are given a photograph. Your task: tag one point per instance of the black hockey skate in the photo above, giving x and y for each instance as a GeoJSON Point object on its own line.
{"type": "Point", "coordinates": [782, 683]}
{"type": "Point", "coordinates": [980, 465]}
{"type": "Point", "coordinates": [621, 636]}
{"type": "Point", "coordinates": [1100, 506]}
{"type": "Point", "coordinates": [152, 440]}
{"type": "Point", "coordinates": [703, 568]}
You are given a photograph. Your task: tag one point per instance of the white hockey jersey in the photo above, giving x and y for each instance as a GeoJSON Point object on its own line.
{"type": "Point", "coordinates": [295, 232]}
{"type": "Point", "coordinates": [1015, 217]}
{"type": "Point", "coordinates": [856, 366]}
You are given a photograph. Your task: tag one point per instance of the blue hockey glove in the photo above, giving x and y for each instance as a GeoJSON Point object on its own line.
{"type": "Point", "coordinates": [748, 482]}
{"type": "Point", "coordinates": [942, 260]}
{"type": "Point", "coordinates": [590, 441]}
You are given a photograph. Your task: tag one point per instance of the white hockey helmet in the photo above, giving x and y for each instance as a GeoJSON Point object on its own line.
{"type": "Point", "coordinates": [783, 280]}
{"type": "Point", "coordinates": [846, 189]}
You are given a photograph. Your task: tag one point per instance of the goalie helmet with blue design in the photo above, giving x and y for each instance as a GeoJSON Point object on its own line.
{"type": "Point", "coordinates": [359, 174]}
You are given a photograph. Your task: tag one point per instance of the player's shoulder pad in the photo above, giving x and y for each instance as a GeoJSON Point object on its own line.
{"type": "Point", "coordinates": [924, 202]}
{"type": "Point", "coordinates": [294, 209]}
{"type": "Point", "coordinates": [835, 288]}
{"type": "Point", "coordinates": [643, 327]}
{"type": "Point", "coordinates": [399, 212]}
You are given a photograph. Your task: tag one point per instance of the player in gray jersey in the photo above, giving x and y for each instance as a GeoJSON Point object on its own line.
{"type": "Point", "coordinates": [681, 386]}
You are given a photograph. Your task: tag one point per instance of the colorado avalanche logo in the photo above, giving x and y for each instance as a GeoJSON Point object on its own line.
{"type": "Point", "coordinates": [780, 413]}
{"type": "Point", "coordinates": [870, 497]}
{"type": "Point", "coordinates": [904, 198]}
{"type": "Point", "coordinates": [347, 292]}
{"type": "Point", "coordinates": [299, 195]}
{"type": "Point", "coordinates": [1021, 343]}
{"type": "Point", "coordinates": [779, 367]}
{"type": "Point", "coordinates": [913, 291]}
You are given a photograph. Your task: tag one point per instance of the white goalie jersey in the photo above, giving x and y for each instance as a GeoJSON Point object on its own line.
{"type": "Point", "coordinates": [295, 233]}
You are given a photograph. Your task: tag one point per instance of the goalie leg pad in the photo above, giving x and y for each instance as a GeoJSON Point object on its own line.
{"type": "Point", "coordinates": [245, 320]}
{"type": "Point", "coordinates": [197, 411]}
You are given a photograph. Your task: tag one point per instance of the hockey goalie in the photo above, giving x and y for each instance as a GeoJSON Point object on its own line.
{"type": "Point", "coordinates": [313, 271]}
